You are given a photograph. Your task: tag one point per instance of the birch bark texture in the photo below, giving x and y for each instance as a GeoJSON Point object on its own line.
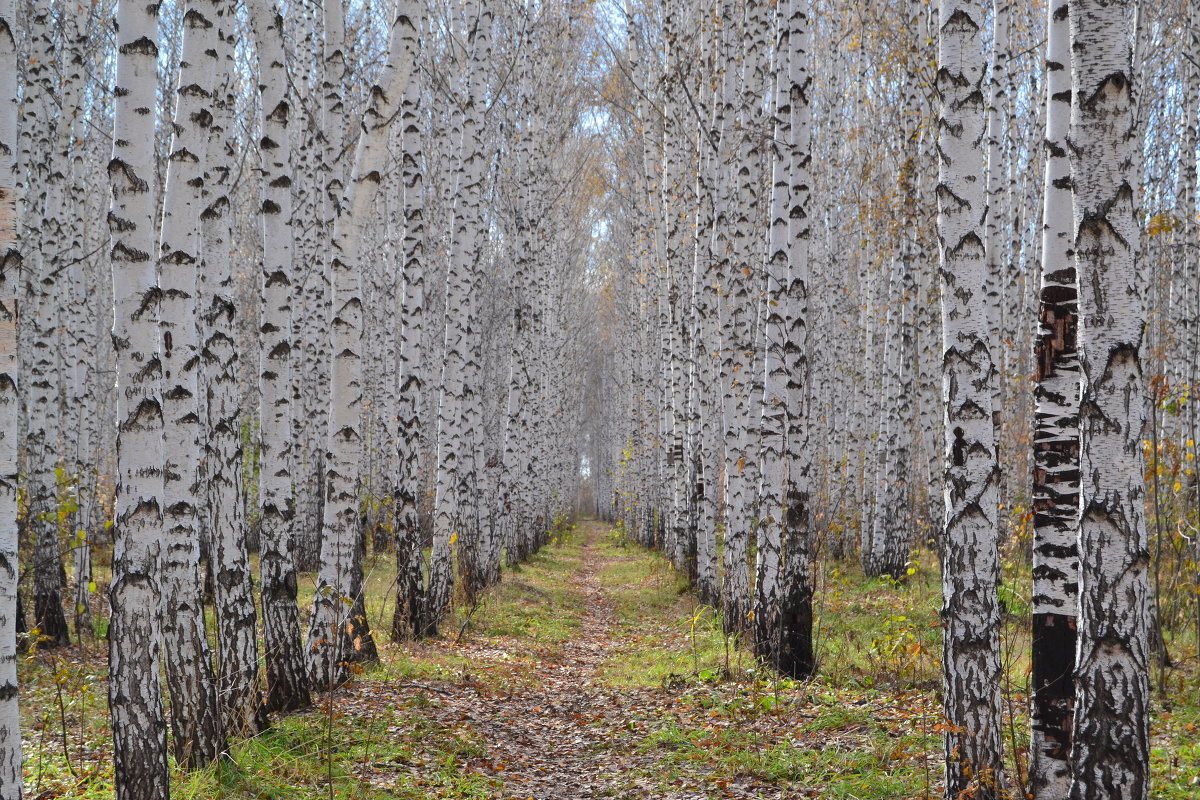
{"type": "Point", "coordinates": [1111, 750]}
{"type": "Point", "coordinates": [783, 615]}
{"type": "Point", "coordinates": [42, 131]}
{"type": "Point", "coordinates": [10, 266]}
{"type": "Point", "coordinates": [1055, 442]}
{"type": "Point", "coordinates": [135, 694]}
{"type": "Point", "coordinates": [744, 248]}
{"type": "Point", "coordinates": [195, 722]}
{"type": "Point", "coordinates": [970, 559]}
{"type": "Point", "coordinates": [454, 453]}
{"type": "Point", "coordinates": [409, 372]}
{"type": "Point", "coordinates": [241, 708]}
{"type": "Point", "coordinates": [287, 678]}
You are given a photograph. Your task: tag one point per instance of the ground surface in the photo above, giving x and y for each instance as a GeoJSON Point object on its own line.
{"type": "Point", "coordinates": [613, 686]}
{"type": "Point", "coordinates": [571, 734]}
{"type": "Point", "coordinates": [591, 672]}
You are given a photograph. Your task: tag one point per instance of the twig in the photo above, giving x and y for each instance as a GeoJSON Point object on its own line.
{"type": "Point", "coordinates": [467, 621]}
{"type": "Point", "coordinates": [425, 688]}
{"type": "Point", "coordinates": [62, 716]}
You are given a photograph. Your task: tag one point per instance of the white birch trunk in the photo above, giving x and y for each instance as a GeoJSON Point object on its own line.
{"type": "Point", "coordinates": [1111, 747]}
{"type": "Point", "coordinates": [135, 696]}
{"type": "Point", "coordinates": [79, 357]}
{"type": "Point", "coordinates": [195, 721]}
{"type": "Point", "coordinates": [783, 598]}
{"type": "Point", "coordinates": [1055, 443]}
{"type": "Point", "coordinates": [308, 365]}
{"type": "Point", "coordinates": [970, 561]}
{"type": "Point", "coordinates": [708, 391]}
{"type": "Point", "coordinates": [43, 132]}
{"type": "Point", "coordinates": [286, 675]}
{"type": "Point", "coordinates": [10, 265]}
{"type": "Point", "coordinates": [222, 508]}
{"type": "Point", "coordinates": [455, 448]}
{"type": "Point", "coordinates": [743, 300]}
{"type": "Point", "coordinates": [409, 373]}
{"type": "Point", "coordinates": [994, 241]}
{"type": "Point", "coordinates": [885, 543]}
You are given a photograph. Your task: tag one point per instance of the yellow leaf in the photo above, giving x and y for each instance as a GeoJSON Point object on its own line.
{"type": "Point", "coordinates": [453, 537]}
{"type": "Point", "coordinates": [1162, 223]}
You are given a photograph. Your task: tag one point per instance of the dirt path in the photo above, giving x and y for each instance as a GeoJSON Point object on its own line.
{"type": "Point", "coordinates": [566, 736]}
{"type": "Point", "coordinates": [543, 742]}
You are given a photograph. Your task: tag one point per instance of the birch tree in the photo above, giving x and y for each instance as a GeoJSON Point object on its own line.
{"type": "Point", "coordinates": [742, 300]}
{"type": "Point", "coordinates": [1056, 443]}
{"type": "Point", "coordinates": [310, 378]}
{"type": "Point", "coordinates": [10, 265]}
{"type": "Point", "coordinates": [783, 612]}
{"type": "Point", "coordinates": [135, 696]}
{"type": "Point", "coordinates": [707, 278]}
{"type": "Point", "coordinates": [195, 721]}
{"type": "Point", "coordinates": [970, 558]}
{"type": "Point", "coordinates": [286, 674]}
{"type": "Point", "coordinates": [885, 542]}
{"type": "Point", "coordinates": [42, 132]}
{"type": "Point", "coordinates": [454, 447]}
{"type": "Point", "coordinates": [80, 359]}
{"type": "Point", "coordinates": [242, 711]}
{"type": "Point", "coordinates": [409, 373]}
{"type": "Point", "coordinates": [1111, 748]}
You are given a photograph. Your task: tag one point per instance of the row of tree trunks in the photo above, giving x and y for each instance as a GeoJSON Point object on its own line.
{"type": "Point", "coordinates": [975, 197]}
{"type": "Point", "coordinates": [338, 629]}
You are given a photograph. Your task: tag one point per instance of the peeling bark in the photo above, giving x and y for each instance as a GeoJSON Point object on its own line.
{"type": "Point", "coordinates": [1055, 444]}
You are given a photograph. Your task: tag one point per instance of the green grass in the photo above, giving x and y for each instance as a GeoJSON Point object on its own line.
{"type": "Point", "coordinates": [841, 757]}
{"type": "Point", "coordinates": [663, 635]}
{"type": "Point", "coordinates": [1175, 745]}
{"type": "Point", "coordinates": [535, 603]}
{"type": "Point", "coordinates": [64, 721]}
{"type": "Point", "coordinates": [877, 632]}
{"type": "Point", "coordinates": [368, 758]}
{"type": "Point", "coordinates": [538, 602]}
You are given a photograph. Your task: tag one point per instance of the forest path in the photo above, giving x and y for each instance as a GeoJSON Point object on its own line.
{"type": "Point", "coordinates": [543, 714]}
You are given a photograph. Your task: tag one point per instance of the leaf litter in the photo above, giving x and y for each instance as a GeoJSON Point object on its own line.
{"type": "Point", "coordinates": [544, 724]}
